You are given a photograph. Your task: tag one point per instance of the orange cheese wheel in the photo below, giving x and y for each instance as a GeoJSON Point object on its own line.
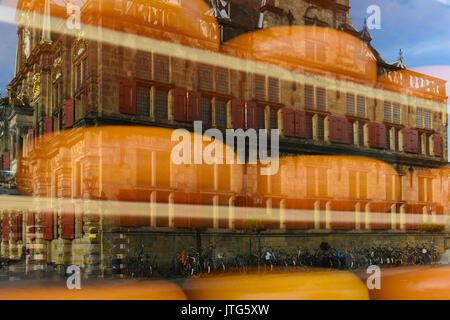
{"type": "Point", "coordinates": [314, 284]}
{"type": "Point", "coordinates": [104, 290]}
{"type": "Point", "coordinates": [413, 283]}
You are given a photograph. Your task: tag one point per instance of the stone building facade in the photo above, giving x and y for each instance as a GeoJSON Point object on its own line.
{"type": "Point", "coordinates": [116, 71]}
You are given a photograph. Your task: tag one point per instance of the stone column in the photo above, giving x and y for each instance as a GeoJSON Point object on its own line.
{"type": "Point", "coordinates": [367, 214]}
{"type": "Point", "coordinates": [317, 215]}
{"type": "Point", "coordinates": [231, 213]}
{"type": "Point", "coordinates": [283, 214]}
{"type": "Point", "coordinates": [402, 217]}
{"type": "Point", "coordinates": [216, 212]}
{"type": "Point", "coordinates": [328, 215]}
{"type": "Point", "coordinates": [358, 216]}
{"type": "Point", "coordinates": [393, 217]}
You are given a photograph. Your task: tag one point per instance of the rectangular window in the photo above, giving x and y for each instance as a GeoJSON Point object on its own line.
{"type": "Point", "coordinates": [222, 81]}
{"type": "Point", "coordinates": [160, 104]}
{"type": "Point", "coordinates": [323, 183]}
{"type": "Point", "coordinates": [161, 68]}
{"type": "Point", "coordinates": [224, 172]}
{"type": "Point", "coordinates": [351, 133]}
{"type": "Point", "coordinates": [142, 101]}
{"type": "Point", "coordinates": [310, 182]}
{"type": "Point", "coordinates": [421, 189]}
{"type": "Point", "coordinates": [430, 190]}
{"type": "Point", "coordinates": [388, 187]}
{"type": "Point", "coordinates": [163, 162]}
{"type": "Point", "coordinates": [419, 118]}
{"type": "Point", "coordinates": [143, 65]}
{"type": "Point", "coordinates": [260, 87]}
{"type": "Point", "coordinates": [350, 104]}
{"type": "Point", "coordinates": [320, 128]}
{"type": "Point", "coordinates": [221, 114]}
{"type": "Point", "coordinates": [388, 138]}
{"type": "Point", "coordinates": [206, 111]}
{"type": "Point", "coordinates": [396, 112]}
{"type": "Point", "coordinates": [396, 141]}
{"type": "Point", "coordinates": [144, 172]}
{"type": "Point", "coordinates": [361, 104]}
{"type": "Point", "coordinates": [205, 76]}
{"type": "Point", "coordinates": [273, 118]}
{"type": "Point", "coordinates": [387, 111]}
{"type": "Point", "coordinates": [361, 133]}
{"type": "Point", "coordinates": [363, 185]}
{"type": "Point", "coordinates": [274, 90]}
{"type": "Point", "coordinates": [309, 97]}
{"type": "Point", "coordinates": [207, 177]}
{"type": "Point", "coordinates": [427, 119]}
{"type": "Point", "coordinates": [309, 126]}
{"type": "Point", "coordinates": [352, 184]}
{"type": "Point", "coordinates": [321, 99]}
{"type": "Point", "coordinates": [260, 118]}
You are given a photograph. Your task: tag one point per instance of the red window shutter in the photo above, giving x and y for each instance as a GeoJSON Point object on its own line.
{"type": "Point", "coordinates": [300, 124]}
{"type": "Point", "coordinates": [332, 129]}
{"type": "Point", "coordinates": [251, 114]}
{"type": "Point", "coordinates": [414, 141]}
{"type": "Point", "coordinates": [437, 140]}
{"type": "Point", "coordinates": [288, 122]}
{"type": "Point", "coordinates": [127, 97]}
{"type": "Point", "coordinates": [16, 223]}
{"type": "Point", "coordinates": [68, 221]}
{"type": "Point", "coordinates": [194, 106]}
{"type": "Point", "coordinates": [31, 226]}
{"type": "Point", "coordinates": [406, 140]}
{"type": "Point", "coordinates": [338, 130]}
{"type": "Point", "coordinates": [179, 104]}
{"type": "Point", "coordinates": [5, 229]}
{"type": "Point", "coordinates": [237, 110]}
{"type": "Point", "coordinates": [47, 224]}
{"type": "Point", "coordinates": [69, 110]}
{"type": "Point", "coordinates": [382, 136]}
{"type": "Point", "coordinates": [344, 131]}
{"type": "Point", "coordinates": [373, 135]}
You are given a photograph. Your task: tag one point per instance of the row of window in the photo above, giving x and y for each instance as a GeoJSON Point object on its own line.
{"type": "Point", "coordinates": [217, 79]}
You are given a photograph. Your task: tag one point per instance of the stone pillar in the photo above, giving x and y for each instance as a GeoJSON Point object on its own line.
{"type": "Point", "coordinates": [317, 215]}
{"type": "Point", "coordinates": [393, 217]}
{"type": "Point", "coordinates": [367, 215]}
{"type": "Point", "coordinates": [153, 212]}
{"type": "Point", "coordinates": [283, 214]}
{"type": "Point", "coordinates": [231, 213]}
{"type": "Point", "coordinates": [425, 215]}
{"type": "Point", "coordinates": [328, 216]}
{"type": "Point", "coordinates": [402, 217]}
{"type": "Point", "coordinates": [216, 212]}
{"type": "Point", "coordinates": [358, 216]}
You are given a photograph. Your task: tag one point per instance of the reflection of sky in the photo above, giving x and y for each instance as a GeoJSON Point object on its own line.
{"type": "Point", "coordinates": [419, 27]}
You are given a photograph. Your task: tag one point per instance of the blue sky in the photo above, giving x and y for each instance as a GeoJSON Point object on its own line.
{"type": "Point", "coordinates": [420, 27]}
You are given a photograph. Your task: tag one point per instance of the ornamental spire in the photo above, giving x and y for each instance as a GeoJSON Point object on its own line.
{"type": "Point", "coordinates": [46, 29]}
